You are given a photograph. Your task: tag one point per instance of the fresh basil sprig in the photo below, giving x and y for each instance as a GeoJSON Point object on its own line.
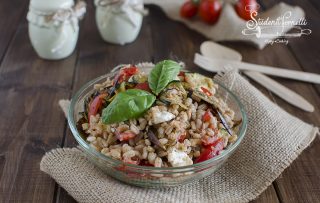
{"type": "Point", "coordinates": [162, 74]}
{"type": "Point", "coordinates": [127, 105]}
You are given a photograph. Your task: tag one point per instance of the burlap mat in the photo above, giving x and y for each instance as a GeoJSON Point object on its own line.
{"type": "Point", "coordinates": [274, 139]}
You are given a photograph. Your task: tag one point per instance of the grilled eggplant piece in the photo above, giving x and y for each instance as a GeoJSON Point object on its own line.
{"type": "Point", "coordinates": [174, 93]}
{"type": "Point", "coordinates": [213, 101]}
{"type": "Point", "coordinates": [199, 95]}
{"type": "Point", "coordinates": [139, 78]}
{"type": "Point", "coordinates": [153, 138]}
{"type": "Point", "coordinates": [196, 80]}
{"type": "Point", "coordinates": [224, 123]}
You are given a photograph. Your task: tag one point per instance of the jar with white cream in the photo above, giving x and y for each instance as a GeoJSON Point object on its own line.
{"type": "Point", "coordinates": [53, 27]}
{"type": "Point", "coordinates": [119, 21]}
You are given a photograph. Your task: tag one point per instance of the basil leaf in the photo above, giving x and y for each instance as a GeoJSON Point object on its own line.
{"type": "Point", "coordinates": [162, 74]}
{"type": "Point", "coordinates": [126, 105]}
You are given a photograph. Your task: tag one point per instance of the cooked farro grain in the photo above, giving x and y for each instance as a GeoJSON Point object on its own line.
{"type": "Point", "coordinates": [184, 123]}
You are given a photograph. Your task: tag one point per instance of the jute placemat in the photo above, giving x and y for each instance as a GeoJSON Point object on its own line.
{"type": "Point", "coordinates": [274, 139]}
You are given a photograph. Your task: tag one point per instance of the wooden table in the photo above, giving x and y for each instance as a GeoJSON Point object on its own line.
{"type": "Point", "coordinates": [31, 122]}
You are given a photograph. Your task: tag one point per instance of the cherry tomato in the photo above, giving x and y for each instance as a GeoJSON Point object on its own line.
{"type": "Point", "coordinates": [206, 91]}
{"type": "Point", "coordinates": [209, 11]}
{"type": "Point", "coordinates": [244, 8]}
{"type": "Point", "coordinates": [189, 9]}
{"type": "Point", "coordinates": [207, 116]}
{"type": "Point", "coordinates": [210, 151]}
{"type": "Point", "coordinates": [125, 136]}
{"type": "Point", "coordinates": [143, 86]}
{"type": "Point", "coordinates": [95, 105]}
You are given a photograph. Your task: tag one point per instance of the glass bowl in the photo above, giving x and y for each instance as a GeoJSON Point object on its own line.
{"type": "Point", "coordinates": [146, 176]}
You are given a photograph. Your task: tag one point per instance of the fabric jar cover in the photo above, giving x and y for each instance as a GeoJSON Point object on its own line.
{"type": "Point", "coordinates": [230, 26]}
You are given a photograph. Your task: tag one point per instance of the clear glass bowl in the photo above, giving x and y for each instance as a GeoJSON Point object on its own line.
{"type": "Point", "coordinates": [146, 176]}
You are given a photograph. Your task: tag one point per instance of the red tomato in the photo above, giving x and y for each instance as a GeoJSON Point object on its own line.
{"type": "Point", "coordinates": [126, 73]}
{"type": "Point", "coordinates": [210, 141]}
{"type": "Point", "coordinates": [121, 168]}
{"type": "Point", "coordinates": [125, 136]}
{"type": "Point", "coordinates": [182, 137]}
{"type": "Point", "coordinates": [95, 105]}
{"type": "Point", "coordinates": [244, 8]}
{"type": "Point", "coordinates": [188, 10]}
{"type": "Point", "coordinates": [206, 91]}
{"type": "Point", "coordinates": [182, 74]}
{"type": "Point", "coordinates": [212, 127]}
{"type": "Point", "coordinates": [207, 116]}
{"type": "Point", "coordinates": [145, 163]}
{"type": "Point", "coordinates": [210, 151]}
{"type": "Point", "coordinates": [143, 86]}
{"type": "Point", "coordinates": [209, 11]}
{"type": "Point", "coordinates": [130, 70]}
{"type": "Point", "coordinates": [133, 160]}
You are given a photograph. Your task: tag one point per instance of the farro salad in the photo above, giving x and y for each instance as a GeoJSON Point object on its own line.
{"type": "Point", "coordinates": [169, 118]}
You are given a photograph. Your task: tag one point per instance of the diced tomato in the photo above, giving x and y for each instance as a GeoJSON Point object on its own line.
{"type": "Point", "coordinates": [210, 140]}
{"type": "Point", "coordinates": [126, 73]}
{"type": "Point", "coordinates": [207, 116]}
{"type": "Point", "coordinates": [145, 163]}
{"type": "Point", "coordinates": [130, 70]}
{"type": "Point", "coordinates": [95, 105]}
{"type": "Point", "coordinates": [182, 74]}
{"type": "Point", "coordinates": [213, 128]}
{"type": "Point", "coordinates": [121, 168]}
{"type": "Point", "coordinates": [143, 86]}
{"type": "Point", "coordinates": [210, 151]}
{"type": "Point", "coordinates": [125, 136]}
{"type": "Point", "coordinates": [206, 91]}
{"type": "Point", "coordinates": [205, 155]}
{"type": "Point", "coordinates": [133, 160]}
{"type": "Point", "coordinates": [182, 137]}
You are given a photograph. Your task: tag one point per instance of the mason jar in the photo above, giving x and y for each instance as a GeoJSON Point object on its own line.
{"type": "Point", "coordinates": [119, 21]}
{"type": "Point", "coordinates": [53, 27]}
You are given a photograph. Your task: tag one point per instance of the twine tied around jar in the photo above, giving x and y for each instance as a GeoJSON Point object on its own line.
{"type": "Point", "coordinates": [59, 17]}
{"type": "Point", "coordinates": [122, 6]}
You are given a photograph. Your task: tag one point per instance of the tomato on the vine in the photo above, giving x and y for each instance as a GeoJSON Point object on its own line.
{"type": "Point", "coordinates": [244, 8]}
{"type": "Point", "coordinates": [189, 9]}
{"type": "Point", "coordinates": [209, 11]}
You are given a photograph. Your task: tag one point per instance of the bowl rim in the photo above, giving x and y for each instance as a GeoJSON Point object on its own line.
{"type": "Point", "coordinates": [86, 145]}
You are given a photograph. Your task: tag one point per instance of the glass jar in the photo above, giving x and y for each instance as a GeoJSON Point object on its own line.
{"type": "Point", "coordinates": [119, 21]}
{"type": "Point", "coordinates": [53, 27]}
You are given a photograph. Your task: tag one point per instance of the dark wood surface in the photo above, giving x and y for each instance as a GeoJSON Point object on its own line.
{"type": "Point", "coordinates": [31, 122]}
